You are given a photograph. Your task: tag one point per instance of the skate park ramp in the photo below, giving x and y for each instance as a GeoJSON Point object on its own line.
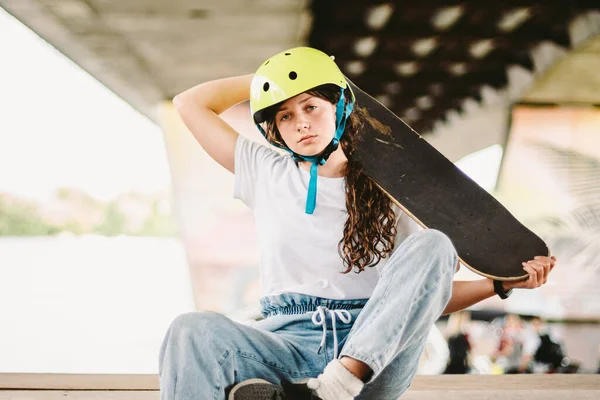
{"type": "Point", "coordinates": [448, 387]}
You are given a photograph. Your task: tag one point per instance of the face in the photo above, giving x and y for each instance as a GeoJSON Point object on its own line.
{"type": "Point", "coordinates": [306, 123]}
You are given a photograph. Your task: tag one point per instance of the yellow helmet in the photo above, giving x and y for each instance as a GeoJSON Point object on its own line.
{"type": "Point", "coordinates": [290, 73]}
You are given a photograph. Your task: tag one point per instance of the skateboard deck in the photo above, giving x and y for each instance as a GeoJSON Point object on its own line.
{"type": "Point", "coordinates": [436, 194]}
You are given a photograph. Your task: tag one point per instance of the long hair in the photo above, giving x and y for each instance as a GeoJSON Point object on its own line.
{"type": "Point", "coordinates": [370, 228]}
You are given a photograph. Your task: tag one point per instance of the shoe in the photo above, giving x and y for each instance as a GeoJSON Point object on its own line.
{"type": "Point", "coordinates": [259, 389]}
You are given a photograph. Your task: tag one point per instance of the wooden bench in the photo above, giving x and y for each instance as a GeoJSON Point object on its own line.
{"type": "Point", "coordinates": [441, 387]}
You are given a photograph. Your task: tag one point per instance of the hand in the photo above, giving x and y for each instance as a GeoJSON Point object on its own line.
{"type": "Point", "coordinates": [538, 270]}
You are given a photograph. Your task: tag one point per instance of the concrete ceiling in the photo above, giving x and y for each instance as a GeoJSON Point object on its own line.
{"type": "Point", "coordinates": [573, 79]}
{"type": "Point", "coordinates": [425, 59]}
{"type": "Point", "coordinates": [147, 51]}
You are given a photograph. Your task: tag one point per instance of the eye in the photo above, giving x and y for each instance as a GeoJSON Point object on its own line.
{"type": "Point", "coordinates": [285, 117]}
{"type": "Point", "coordinates": [310, 108]}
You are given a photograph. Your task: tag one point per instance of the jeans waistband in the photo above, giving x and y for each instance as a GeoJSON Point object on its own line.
{"type": "Point", "coordinates": [297, 303]}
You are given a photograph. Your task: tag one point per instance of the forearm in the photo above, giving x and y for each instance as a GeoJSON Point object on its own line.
{"type": "Point", "coordinates": [467, 293]}
{"type": "Point", "coordinates": [217, 95]}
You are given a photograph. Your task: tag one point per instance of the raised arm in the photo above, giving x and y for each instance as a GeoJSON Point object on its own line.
{"type": "Point", "coordinates": [199, 108]}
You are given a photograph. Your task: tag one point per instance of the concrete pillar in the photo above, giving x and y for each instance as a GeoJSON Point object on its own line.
{"type": "Point", "coordinates": [218, 231]}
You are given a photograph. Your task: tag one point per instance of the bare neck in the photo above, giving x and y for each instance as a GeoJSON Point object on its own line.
{"type": "Point", "coordinates": [335, 167]}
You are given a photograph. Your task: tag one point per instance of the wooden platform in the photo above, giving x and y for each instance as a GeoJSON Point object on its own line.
{"type": "Point", "coordinates": [447, 387]}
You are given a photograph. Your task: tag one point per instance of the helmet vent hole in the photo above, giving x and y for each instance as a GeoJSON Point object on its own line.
{"type": "Point", "coordinates": [268, 61]}
{"type": "Point", "coordinates": [293, 75]}
{"type": "Point", "coordinates": [266, 87]}
{"type": "Point", "coordinates": [288, 54]}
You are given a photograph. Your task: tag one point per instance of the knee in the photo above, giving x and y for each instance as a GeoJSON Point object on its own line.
{"type": "Point", "coordinates": [193, 325]}
{"type": "Point", "coordinates": [437, 244]}
{"type": "Point", "coordinates": [435, 239]}
{"type": "Point", "coordinates": [194, 345]}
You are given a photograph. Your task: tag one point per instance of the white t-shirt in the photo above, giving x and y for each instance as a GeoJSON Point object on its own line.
{"type": "Point", "coordinates": [299, 251]}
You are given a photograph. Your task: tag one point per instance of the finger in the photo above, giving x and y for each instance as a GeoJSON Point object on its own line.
{"type": "Point", "coordinates": [539, 272]}
{"type": "Point", "coordinates": [539, 263]}
{"type": "Point", "coordinates": [547, 269]}
{"type": "Point", "coordinates": [530, 283]}
{"type": "Point", "coordinates": [536, 274]}
{"type": "Point", "coordinates": [542, 259]}
{"type": "Point", "coordinates": [547, 264]}
{"type": "Point", "coordinates": [540, 269]}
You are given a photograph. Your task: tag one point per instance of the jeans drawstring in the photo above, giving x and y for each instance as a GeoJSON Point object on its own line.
{"type": "Point", "coordinates": [319, 318]}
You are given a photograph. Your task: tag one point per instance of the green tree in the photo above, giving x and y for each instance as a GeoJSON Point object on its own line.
{"type": "Point", "coordinates": [114, 223]}
{"type": "Point", "coordinates": [158, 224]}
{"type": "Point", "coordinates": [22, 219]}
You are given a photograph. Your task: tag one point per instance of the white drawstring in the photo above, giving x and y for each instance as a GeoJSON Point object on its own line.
{"type": "Point", "coordinates": [319, 318]}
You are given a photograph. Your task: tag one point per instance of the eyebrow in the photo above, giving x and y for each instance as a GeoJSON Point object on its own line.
{"type": "Point", "coordinates": [301, 102]}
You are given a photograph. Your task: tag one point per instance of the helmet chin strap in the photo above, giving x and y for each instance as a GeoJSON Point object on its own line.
{"type": "Point", "coordinates": [342, 113]}
{"type": "Point", "coordinates": [318, 160]}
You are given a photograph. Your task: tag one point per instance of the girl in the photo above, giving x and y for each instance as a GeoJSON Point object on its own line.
{"type": "Point", "coordinates": [334, 327]}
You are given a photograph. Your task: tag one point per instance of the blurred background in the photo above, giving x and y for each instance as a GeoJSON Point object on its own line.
{"type": "Point", "coordinates": [113, 220]}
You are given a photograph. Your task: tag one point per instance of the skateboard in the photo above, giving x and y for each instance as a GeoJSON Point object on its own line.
{"type": "Point", "coordinates": [437, 195]}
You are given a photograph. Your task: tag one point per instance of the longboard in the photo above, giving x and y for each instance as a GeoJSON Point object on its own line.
{"type": "Point", "coordinates": [437, 195]}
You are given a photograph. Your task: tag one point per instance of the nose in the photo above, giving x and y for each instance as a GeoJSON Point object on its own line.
{"type": "Point", "coordinates": [302, 126]}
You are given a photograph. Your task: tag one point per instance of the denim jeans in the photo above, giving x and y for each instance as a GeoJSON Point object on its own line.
{"type": "Point", "coordinates": [205, 353]}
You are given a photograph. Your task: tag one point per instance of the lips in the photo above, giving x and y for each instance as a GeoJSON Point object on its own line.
{"type": "Point", "coordinates": [303, 138]}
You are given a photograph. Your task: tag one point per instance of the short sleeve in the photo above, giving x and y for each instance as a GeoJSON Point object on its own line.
{"type": "Point", "coordinates": [252, 162]}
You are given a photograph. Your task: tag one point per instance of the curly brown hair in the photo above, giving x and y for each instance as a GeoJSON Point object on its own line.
{"type": "Point", "coordinates": [370, 228]}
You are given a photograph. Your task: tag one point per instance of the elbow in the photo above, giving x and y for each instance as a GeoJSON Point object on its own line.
{"type": "Point", "coordinates": [179, 101]}
{"type": "Point", "coordinates": [449, 309]}
{"type": "Point", "coordinates": [185, 104]}
{"type": "Point", "coordinates": [188, 101]}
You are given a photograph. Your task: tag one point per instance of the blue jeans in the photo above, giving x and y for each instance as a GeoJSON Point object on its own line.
{"type": "Point", "coordinates": [205, 353]}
